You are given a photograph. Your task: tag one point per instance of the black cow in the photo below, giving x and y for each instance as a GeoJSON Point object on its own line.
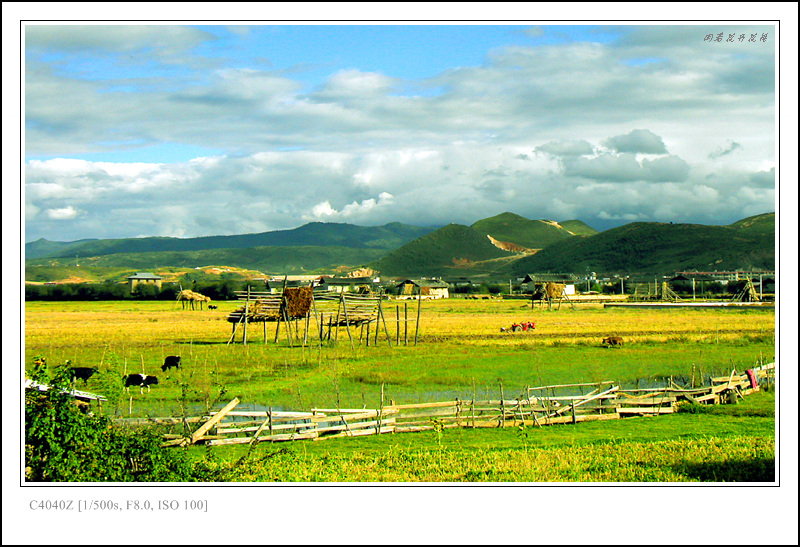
{"type": "Point", "coordinates": [212, 307]}
{"type": "Point", "coordinates": [141, 380]}
{"type": "Point", "coordinates": [82, 373]}
{"type": "Point", "coordinates": [171, 361]}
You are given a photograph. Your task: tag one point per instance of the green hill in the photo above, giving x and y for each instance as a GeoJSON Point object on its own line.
{"type": "Point", "coordinates": [577, 227]}
{"type": "Point", "coordinates": [43, 247]}
{"type": "Point", "coordinates": [401, 250]}
{"type": "Point", "coordinates": [649, 247]}
{"type": "Point", "coordinates": [316, 234]}
{"type": "Point", "coordinates": [439, 252]}
{"type": "Point", "coordinates": [512, 228]}
{"type": "Point", "coordinates": [761, 224]}
{"type": "Point", "coordinates": [291, 260]}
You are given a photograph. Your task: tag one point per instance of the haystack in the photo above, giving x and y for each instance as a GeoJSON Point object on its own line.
{"type": "Point", "coordinates": [554, 290]}
{"type": "Point", "coordinates": [297, 301]}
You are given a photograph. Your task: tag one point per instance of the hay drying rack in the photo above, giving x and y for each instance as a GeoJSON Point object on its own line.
{"type": "Point", "coordinates": [362, 316]}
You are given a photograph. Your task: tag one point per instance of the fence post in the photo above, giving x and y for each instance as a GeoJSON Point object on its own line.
{"type": "Point", "coordinates": [502, 407]}
{"type": "Point", "coordinates": [246, 309]}
{"type": "Point", "coordinates": [405, 322]}
{"type": "Point", "coordinates": [419, 308]}
{"type": "Point", "coordinates": [380, 413]}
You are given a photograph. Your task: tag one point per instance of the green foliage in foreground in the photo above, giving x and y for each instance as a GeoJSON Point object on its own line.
{"type": "Point", "coordinates": [62, 444]}
{"type": "Point", "coordinates": [733, 444]}
{"type": "Point", "coordinates": [743, 459]}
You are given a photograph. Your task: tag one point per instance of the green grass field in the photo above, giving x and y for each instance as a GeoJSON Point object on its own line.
{"type": "Point", "coordinates": [734, 443]}
{"type": "Point", "coordinates": [460, 352]}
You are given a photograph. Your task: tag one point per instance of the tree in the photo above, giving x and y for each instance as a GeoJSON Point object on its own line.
{"type": "Point", "coordinates": [63, 444]}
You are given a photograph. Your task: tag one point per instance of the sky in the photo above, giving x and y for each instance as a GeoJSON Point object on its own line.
{"type": "Point", "coordinates": [204, 129]}
{"type": "Point", "coordinates": [191, 130]}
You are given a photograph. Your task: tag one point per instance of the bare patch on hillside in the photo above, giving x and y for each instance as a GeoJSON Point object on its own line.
{"type": "Point", "coordinates": [511, 247]}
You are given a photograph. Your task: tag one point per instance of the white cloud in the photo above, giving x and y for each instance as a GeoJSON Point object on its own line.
{"type": "Point", "coordinates": [322, 210]}
{"type": "Point", "coordinates": [65, 213]}
{"type": "Point", "coordinates": [642, 141]}
{"type": "Point", "coordinates": [568, 129]}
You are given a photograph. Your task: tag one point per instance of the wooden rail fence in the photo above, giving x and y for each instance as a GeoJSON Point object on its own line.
{"type": "Point", "coordinates": [537, 407]}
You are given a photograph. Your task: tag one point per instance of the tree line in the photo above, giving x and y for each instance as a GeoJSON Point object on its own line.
{"type": "Point", "coordinates": [224, 290]}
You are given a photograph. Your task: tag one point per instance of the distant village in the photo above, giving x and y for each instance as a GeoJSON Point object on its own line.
{"type": "Point", "coordinates": [762, 281]}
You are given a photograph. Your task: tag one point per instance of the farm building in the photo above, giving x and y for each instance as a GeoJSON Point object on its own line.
{"type": "Point", "coordinates": [460, 282]}
{"type": "Point", "coordinates": [143, 278]}
{"type": "Point", "coordinates": [347, 284]}
{"type": "Point", "coordinates": [83, 399]}
{"type": "Point", "coordinates": [275, 284]}
{"type": "Point", "coordinates": [430, 288]}
{"type": "Point", "coordinates": [530, 281]}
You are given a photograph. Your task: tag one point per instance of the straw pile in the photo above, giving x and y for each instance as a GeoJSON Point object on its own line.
{"type": "Point", "coordinates": [297, 301]}
{"type": "Point", "coordinates": [554, 290]}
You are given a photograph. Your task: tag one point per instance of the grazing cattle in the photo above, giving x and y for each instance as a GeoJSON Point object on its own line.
{"type": "Point", "coordinates": [141, 380]}
{"type": "Point", "coordinates": [612, 341]}
{"type": "Point", "coordinates": [82, 373]}
{"type": "Point", "coordinates": [503, 329]}
{"type": "Point", "coordinates": [171, 361]}
{"type": "Point", "coordinates": [212, 307]}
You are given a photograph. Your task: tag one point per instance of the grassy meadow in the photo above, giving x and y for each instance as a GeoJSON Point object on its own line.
{"type": "Point", "coordinates": [460, 353]}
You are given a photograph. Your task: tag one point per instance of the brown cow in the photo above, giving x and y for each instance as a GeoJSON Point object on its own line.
{"type": "Point", "coordinates": [612, 341]}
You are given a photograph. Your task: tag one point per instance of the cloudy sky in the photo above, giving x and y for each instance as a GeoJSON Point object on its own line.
{"type": "Point", "coordinates": [191, 130]}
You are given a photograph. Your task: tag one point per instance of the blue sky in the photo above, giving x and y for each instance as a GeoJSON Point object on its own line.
{"type": "Point", "coordinates": [143, 122]}
{"type": "Point", "coordinates": [309, 53]}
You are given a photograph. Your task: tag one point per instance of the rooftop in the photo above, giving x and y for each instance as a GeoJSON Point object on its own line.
{"type": "Point", "coordinates": [144, 275]}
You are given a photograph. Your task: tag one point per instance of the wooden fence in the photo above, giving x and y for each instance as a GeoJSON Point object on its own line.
{"type": "Point", "coordinates": [537, 407]}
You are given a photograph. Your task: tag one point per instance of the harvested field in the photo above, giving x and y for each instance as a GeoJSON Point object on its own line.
{"type": "Point", "coordinates": [460, 345]}
{"type": "Point", "coordinates": [461, 355]}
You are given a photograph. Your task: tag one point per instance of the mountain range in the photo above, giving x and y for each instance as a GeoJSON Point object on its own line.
{"type": "Point", "coordinates": [497, 247]}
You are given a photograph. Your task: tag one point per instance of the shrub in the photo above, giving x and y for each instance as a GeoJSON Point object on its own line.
{"type": "Point", "coordinates": [62, 443]}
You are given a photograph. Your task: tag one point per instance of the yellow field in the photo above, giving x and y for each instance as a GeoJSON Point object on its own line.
{"type": "Point", "coordinates": [480, 322]}
{"type": "Point", "coordinates": [145, 324]}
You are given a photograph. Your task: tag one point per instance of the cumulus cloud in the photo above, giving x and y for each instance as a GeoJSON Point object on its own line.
{"type": "Point", "coordinates": [763, 179]}
{"type": "Point", "coordinates": [278, 190]}
{"type": "Point", "coordinates": [728, 149]}
{"type": "Point", "coordinates": [519, 92]}
{"type": "Point", "coordinates": [354, 210]}
{"type": "Point", "coordinates": [566, 148]}
{"type": "Point", "coordinates": [64, 213]}
{"type": "Point", "coordinates": [625, 167]}
{"type": "Point", "coordinates": [638, 141]}
{"type": "Point", "coordinates": [572, 128]}
{"type": "Point", "coordinates": [113, 37]}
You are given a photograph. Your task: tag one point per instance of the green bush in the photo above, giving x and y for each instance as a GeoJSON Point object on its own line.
{"type": "Point", "coordinates": [65, 444]}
